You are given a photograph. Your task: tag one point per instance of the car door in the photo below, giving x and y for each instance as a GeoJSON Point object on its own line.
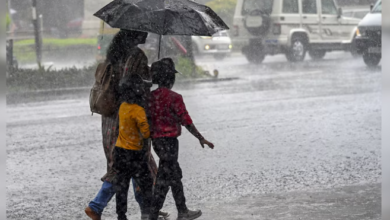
{"type": "Point", "coordinates": [290, 16]}
{"type": "Point", "coordinates": [330, 25]}
{"type": "Point", "coordinates": [311, 19]}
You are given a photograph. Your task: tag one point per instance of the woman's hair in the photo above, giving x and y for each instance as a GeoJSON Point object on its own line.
{"type": "Point", "coordinates": [121, 45]}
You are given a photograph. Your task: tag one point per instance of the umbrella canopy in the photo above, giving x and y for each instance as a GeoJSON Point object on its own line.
{"type": "Point", "coordinates": [163, 17]}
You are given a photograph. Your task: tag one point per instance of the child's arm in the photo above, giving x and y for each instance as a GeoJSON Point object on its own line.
{"type": "Point", "coordinates": [142, 123]}
{"type": "Point", "coordinates": [192, 129]}
{"type": "Point", "coordinates": [180, 110]}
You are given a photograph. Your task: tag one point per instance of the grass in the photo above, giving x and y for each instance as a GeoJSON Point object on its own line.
{"type": "Point", "coordinates": [25, 56]}
{"type": "Point", "coordinates": [61, 43]}
{"type": "Point", "coordinates": [185, 65]}
{"type": "Point", "coordinates": [24, 50]}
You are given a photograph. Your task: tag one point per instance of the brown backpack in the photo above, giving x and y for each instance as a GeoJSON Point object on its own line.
{"type": "Point", "coordinates": [103, 99]}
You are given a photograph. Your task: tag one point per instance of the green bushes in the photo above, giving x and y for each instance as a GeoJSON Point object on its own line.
{"type": "Point", "coordinates": [46, 78]}
{"type": "Point", "coordinates": [185, 66]}
{"type": "Point", "coordinates": [24, 80]}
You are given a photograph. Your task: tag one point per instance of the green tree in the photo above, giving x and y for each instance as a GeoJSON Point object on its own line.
{"type": "Point", "coordinates": [225, 9]}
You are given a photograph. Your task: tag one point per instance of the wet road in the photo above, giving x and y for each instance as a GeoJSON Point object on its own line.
{"type": "Point", "coordinates": [279, 128]}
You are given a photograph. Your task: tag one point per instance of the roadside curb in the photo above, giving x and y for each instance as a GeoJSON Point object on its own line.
{"type": "Point", "coordinates": [186, 81]}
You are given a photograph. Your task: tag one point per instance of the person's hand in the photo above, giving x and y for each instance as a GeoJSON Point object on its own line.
{"type": "Point", "coordinates": [204, 141]}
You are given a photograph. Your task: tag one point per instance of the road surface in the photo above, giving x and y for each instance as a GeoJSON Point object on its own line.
{"type": "Point", "coordinates": [293, 141]}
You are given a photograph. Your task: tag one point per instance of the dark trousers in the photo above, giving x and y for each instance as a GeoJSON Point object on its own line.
{"type": "Point", "coordinates": [131, 164]}
{"type": "Point", "coordinates": [169, 174]}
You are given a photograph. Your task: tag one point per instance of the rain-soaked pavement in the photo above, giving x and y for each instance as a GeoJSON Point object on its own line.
{"type": "Point", "coordinates": [293, 141]}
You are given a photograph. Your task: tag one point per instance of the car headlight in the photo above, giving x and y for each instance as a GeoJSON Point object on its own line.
{"type": "Point", "coordinates": [358, 32]}
{"type": "Point", "coordinates": [207, 47]}
{"type": "Point", "coordinates": [230, 46]}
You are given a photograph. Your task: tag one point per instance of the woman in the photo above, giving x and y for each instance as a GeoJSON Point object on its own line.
{"type": "Point", "coordinates": [126, 59]}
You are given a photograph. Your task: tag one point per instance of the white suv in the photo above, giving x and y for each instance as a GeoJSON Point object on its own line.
{"type": "Point", "coordinates": [292, 27]}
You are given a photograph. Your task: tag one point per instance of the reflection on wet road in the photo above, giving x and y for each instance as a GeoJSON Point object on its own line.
{"type": "Point", "coordinates": [278, 128]}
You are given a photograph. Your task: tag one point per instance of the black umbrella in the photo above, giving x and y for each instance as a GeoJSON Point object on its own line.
{"type": "Point", "coordinates": [163, 17]}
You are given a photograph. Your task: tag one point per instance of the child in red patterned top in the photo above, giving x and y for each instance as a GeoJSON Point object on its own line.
{"type": "Point", "coordinates": [168, 114]}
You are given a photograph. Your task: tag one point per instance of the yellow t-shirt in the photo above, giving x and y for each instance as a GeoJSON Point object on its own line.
{"type": "Point", "coordinates": [133, 127]}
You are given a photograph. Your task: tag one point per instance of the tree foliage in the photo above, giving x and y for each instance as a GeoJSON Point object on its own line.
{"type": "Point", "coordinates": [225, 9]}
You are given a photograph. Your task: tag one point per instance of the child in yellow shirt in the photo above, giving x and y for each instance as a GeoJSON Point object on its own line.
{"type": "Point", "coordinates": [129, 158]}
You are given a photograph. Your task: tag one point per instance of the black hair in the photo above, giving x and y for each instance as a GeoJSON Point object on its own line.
{"type": "Point", "coordinates": [121, 45]}
{"type": "Point", "coordinates": [163, 72]}
{"type": "Point", "coordinates": [132, 89]}
{"type": "Point", "coordinates": [165, 79]}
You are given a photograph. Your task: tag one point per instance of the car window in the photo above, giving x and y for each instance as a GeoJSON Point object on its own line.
{"type": "Point", "coordinates": [309, 6]}
{"type": "Point", "coordinates": [221, 34]}
{"type": "Point", "coordinates": [263, 5]}
{"type": "Point", "coordinates": [290, 6]}
{"type": "Point", "coordinates": [377, 8]}
{"type": "Point", "coordinates": [328, 7]}
{"type": "Point", "coordinates": [360, 14]}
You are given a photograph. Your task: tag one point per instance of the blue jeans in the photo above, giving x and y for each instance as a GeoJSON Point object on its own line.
{"type": "Point", "coordinates": [106, 193]}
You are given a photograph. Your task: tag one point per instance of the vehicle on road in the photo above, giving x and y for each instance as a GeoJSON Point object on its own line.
{"type": "Point", "coordinates": [358, 13]}
{"type": "Point", "coordinates": [369, 36]}
{"type": "Point", "coordinates": [291, 27]}
{"type": "Point", "coordinates": [219, 45]}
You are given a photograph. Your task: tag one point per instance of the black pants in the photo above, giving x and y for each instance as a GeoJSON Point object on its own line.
{"type": "Point", "coordinates": [169, 175]}
{"type": "Point", "coordinates": [131, 164]}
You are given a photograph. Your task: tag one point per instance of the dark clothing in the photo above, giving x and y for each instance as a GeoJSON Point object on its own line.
{"type": "Point", "coordinates": [137, 63]}
{"type": "Point", "coordinates": [169, 175]}
{"type": "Point", "coordinates": [131, 164]}
{"type": "Point", "coordinates": [168, 113]}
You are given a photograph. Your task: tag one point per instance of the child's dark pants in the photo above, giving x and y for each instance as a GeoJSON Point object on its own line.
{"type": "Point", "coordinates": [169, 175]}
{"type": "Point", "coordinates": [131, 164]}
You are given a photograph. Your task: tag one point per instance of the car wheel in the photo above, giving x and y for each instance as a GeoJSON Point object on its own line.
{"type": "Point", "coordinates": [220, 56]}
{"type": "Point", "coordinates": [254, 55]}
{"type": "Point", "coordinates": [255, 58]}
{"type": "Point", "coordinates": [317, 54]}
{"type": "Point", "coordinates": [371, 60]}
{"type": "Point", "coordinates": [263, 28]}
{"type": "Point", "coordinates": [297, 51]}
